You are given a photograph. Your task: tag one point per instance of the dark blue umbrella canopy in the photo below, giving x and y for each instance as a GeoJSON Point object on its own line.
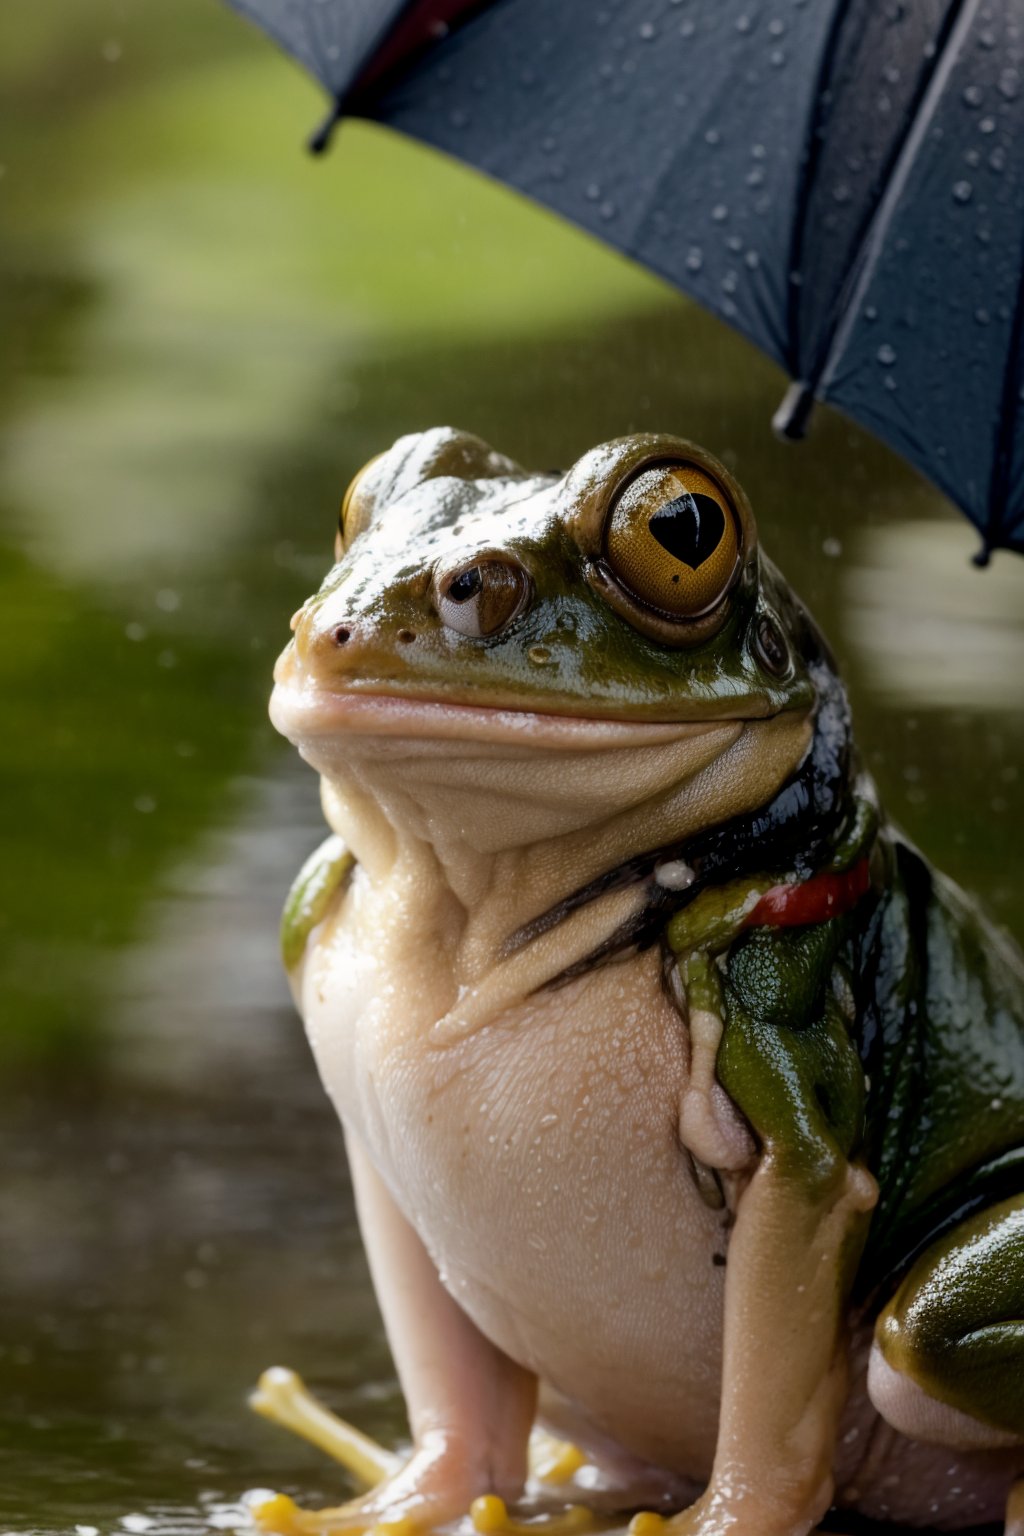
{"type": "Point", "coordinates": [841, 180]}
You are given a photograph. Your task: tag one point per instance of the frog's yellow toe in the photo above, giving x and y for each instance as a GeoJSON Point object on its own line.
{"type": "Point", "coordinates": [646, 1524]}
{"type": "Point", "coordinates": [490, 1517]}
{"type": "Point", "coordinates": [279, 1514]}
{"type": "Point", "coordinates": [283, 1397]}
{"type": "Point", "coordinates": [553, 1460]}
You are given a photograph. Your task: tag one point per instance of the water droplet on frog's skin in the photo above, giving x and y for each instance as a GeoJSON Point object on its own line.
{"type": "Point", "coordinates": [674, 875]}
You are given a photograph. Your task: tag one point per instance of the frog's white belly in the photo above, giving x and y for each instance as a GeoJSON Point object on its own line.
{"type": "Point", "coordinates": [538, 1158]}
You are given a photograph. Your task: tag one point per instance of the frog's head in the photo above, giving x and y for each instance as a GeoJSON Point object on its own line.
{"type": "Point", "coordinates": [482, 611]}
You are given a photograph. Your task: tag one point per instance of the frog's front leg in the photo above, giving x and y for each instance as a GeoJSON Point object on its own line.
{"type": "Point", "coordinates": [470, 1407]}
{"type": "Point", "coordinates": [787, 1062]}
{"type": "Point", "coordinates": [948, 1361]}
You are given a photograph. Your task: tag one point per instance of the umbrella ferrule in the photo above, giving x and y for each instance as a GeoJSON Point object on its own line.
{"type": "Point", "coordinates": [793, 416]}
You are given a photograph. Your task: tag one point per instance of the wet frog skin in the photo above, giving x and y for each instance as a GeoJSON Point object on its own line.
{"type": "Point", "coordinates": [684, 1099]}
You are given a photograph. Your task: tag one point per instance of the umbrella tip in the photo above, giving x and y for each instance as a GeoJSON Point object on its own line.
{"type": "Point", "coordinates": [319, 141]}
{"type": "Point", "coordinates": [793, 416]}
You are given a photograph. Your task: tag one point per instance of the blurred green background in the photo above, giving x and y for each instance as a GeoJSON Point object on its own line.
{"type": "Point", "coordinates": [203, 333]}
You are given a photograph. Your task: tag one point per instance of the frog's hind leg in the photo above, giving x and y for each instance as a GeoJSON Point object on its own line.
{"type": "Point", "coordinates": [947, 1366]}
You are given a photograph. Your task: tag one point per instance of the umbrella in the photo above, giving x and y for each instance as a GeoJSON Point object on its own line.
{"type": "Point", "coordinates": [841, 180]}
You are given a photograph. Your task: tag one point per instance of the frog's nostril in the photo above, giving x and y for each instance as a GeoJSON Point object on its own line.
{"type": "Point", "coordinates": [341, 634]}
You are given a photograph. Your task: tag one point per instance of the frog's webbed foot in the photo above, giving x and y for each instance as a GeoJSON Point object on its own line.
{"type": "Point", "coordinates": [434, 1487]}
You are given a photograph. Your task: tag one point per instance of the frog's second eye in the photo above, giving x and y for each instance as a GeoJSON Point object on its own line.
{"type": "Point", "coordinates": [480, 599]}
{"type": "Point", "coordinates": [672, 540]}
{"type": "Point", "coordinates": [356, 508]}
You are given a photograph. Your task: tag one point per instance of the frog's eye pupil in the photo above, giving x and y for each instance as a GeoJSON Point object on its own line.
{"type": "Point", "coordinates": [672, 539]}
{"type": "Point", "coordinates": [690, 528]}
{"type": "Point", "coordinates": [466, 585]}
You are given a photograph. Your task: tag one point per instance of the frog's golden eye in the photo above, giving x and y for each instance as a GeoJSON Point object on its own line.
{"type": "Point", "coordinates": [673, 541]}
{"type": "Point", "coordinates": [356, 509]}
{"type": "Point", "coordinates": [482, 598]}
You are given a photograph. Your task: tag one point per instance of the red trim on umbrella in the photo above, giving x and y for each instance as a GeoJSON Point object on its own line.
{"type": "Point", "coordinates": [812, 901]}
{"type": "Point", "coordinates": [423, 22]}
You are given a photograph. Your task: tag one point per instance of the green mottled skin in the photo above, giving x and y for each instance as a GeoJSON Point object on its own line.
{"type": "Point", "coordinates": [311, 893]}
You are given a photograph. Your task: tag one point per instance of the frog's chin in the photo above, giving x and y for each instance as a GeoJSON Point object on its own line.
{"type": "Point", "coordinates": [309, 716]}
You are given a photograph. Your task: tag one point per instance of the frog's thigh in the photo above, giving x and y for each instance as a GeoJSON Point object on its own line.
{"type": "Point", "coordinates": [947, 1364]}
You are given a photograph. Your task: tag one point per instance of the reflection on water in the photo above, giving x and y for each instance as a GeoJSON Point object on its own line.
{"type": "Point", "coordinates": [204, 335]}
{"type": "Point", "coordinates": [910, 600]}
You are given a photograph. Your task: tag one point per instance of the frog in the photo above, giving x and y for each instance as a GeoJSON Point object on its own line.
{"type": "Point", "coordinates": [683, 1098]}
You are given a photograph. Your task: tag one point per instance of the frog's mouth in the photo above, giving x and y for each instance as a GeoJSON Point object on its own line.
{"type": "Point", "coordinates": [308, 714]}
{"type": "Point", "coordinates": [498, 778]}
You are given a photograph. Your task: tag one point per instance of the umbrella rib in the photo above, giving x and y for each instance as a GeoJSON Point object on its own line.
{"type": "Point", "coordinates": [1000, 483]}
{"type": "Point", "coordinates": [958, 24]}
{"type": "Point", "coordinates": [805, 186]}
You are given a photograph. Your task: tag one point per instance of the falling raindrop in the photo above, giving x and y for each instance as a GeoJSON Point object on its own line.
{"type": "Point", "coordinates": [753, 260]}
{"type": "Point", "coordinates": [1009, 84]}
{"type": "Point", "coordinates": [743, 23]}
{"type": "Point", "coordinates": [592, 191]}
{"type": "Point", "coordinates": [608, 210]}
{"type": "Point", "coordinates": [886, 355]}
{"type": "Point", "coordinates": [776, 27]}
{"type": "Point", "coordinates": [687, 28]}
{"type": "Point", "coordinates": [962, 191]}
{"type": "Point", "coordinates": [712, 137]}
{"type": "Point", "coordinates": [987, 125]}
{"type": "Point", "coordinates": [890, 382]}
{"type": "Point", "coordinates": [735, 243]}
{"type": "Point", "coordinates": [648, 30]}
{"type": "Point", "coordinates": [982, 316]}
{"type": "Point", "coordinates": [777, 57]}
{"type": "Point", "coordinates": [997, 160]}
{"type": "Point", "coordinates": [694, 259]}
{"type": "Point", "coordinates": [841, 192]}
{"type": "Point", "coordinates": [719, 213]}
{"type": "Point", "coordinates": [973, 96]}
{"type": "Point", "coordinates": [986, 39]}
